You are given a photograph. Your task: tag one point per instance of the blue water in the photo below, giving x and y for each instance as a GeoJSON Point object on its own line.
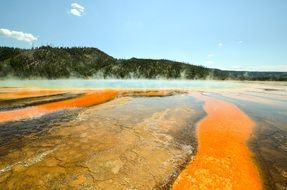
{"type": "Point", "coordinates": [78, 83]}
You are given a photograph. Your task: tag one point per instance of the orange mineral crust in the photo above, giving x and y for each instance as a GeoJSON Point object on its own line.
{"type": "Point", "coordinates": [89, 99]}
{"type": "Point", "coordinates": [17, 93]}
{"type": "Point", "coordinates": [223, 160]}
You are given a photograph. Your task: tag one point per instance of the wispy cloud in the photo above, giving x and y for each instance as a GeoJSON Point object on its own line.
{"type": "Point", "coordinates": [18, 35]}
{"type": "Point", "coordinates": [236, 68]}
{"type": "Point", "coordinates": [209, 62]}
{"type": "Point", "coordinates": [220, 44]}
{"type": "Point", "coordinates": [210, 55]}
{"type": "Point", "coordinates": [77, 9]}
{"type": "Point", "coordinates": [240, 42]}
{"type": "Point", "coordinates": [275, 68]}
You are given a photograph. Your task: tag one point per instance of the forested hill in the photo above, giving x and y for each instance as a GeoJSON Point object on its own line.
{"type": "Point", "coordinates": [55, 63]}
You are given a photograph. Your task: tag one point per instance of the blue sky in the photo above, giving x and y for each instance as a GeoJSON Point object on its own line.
{"type": "Point", "coordinates": [224, 34]}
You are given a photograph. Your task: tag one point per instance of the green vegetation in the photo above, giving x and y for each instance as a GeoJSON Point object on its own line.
{"type": "Point", "coordinates": [54, 63]}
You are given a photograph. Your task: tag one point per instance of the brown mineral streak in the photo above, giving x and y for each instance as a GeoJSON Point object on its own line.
{"type": "Point", "coordinates": [90, 98]}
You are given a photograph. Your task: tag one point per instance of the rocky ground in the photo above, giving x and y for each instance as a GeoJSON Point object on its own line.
{"type": "Point", "coordinates": [128, 143]}
{"type": "Point", "coordinates": [127, 139]}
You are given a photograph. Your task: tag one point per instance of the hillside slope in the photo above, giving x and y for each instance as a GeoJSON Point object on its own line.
{"type": "Point", "coordinates": [54, 63]}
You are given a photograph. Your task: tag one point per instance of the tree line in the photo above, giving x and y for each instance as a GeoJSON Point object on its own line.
{"type": "Point", "coordinates": [85, 62]}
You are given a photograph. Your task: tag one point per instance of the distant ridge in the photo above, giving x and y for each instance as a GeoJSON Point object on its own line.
{"type": "Point", "coordinates": [80, 62]}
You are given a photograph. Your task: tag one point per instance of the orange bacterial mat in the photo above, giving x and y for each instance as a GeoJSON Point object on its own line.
{"type": "Point", "coordinates": [223, 160]}
{"type": "Point", "coordinates": [91, 98]}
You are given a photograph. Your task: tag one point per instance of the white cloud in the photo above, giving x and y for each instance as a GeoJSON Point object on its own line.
{"type": "Point", "coordinates": [220, 44]}
{"type": "Point", "coordinates": [18, 35]}
{"type": "Point", "coordinates": [77, 9]}
{"type": "Point", "coordinates": [75, 12]}
{"type": "Point", "coordinates": [240, 42]}
{"type": "Point", "coordinates": [210, 55]}
{"type": "Point", "coordinates": [77, 6]}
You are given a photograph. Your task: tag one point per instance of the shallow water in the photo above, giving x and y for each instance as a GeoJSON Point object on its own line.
{"type": "Point", "coordinates": [78, 135]}
{"type": "Point", "coordinates": [126, 143]}
{"type": "Point", "coordinates": [269, 141]}
{"type": "Point", "coordinates": [77, 83]}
